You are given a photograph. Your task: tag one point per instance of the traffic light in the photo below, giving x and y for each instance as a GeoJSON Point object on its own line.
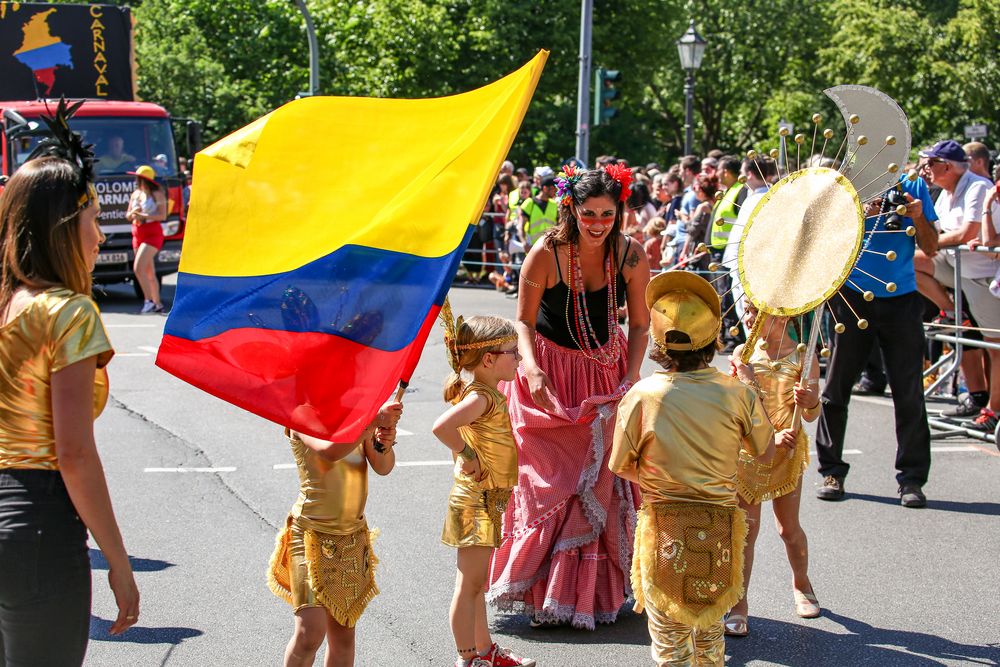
{"type": "Point", "coordinates": [605, 93]}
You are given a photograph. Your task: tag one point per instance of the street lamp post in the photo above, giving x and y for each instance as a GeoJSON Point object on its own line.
{"type": "Point", "coordinates": [313, 49]}
{"type": "Point", "coordinates": [583, 90]}
{"type": "Point", "coordinates": [691, 48]}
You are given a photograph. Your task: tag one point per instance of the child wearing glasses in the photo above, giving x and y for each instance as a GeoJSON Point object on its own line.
{"type": "Point", "coordinates": [477, 430]}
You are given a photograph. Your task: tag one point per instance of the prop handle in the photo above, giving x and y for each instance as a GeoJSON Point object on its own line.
{"type": "Point", "coordinates": [807, 363]}
{"type": "Point", "coordinates": [403, 384]}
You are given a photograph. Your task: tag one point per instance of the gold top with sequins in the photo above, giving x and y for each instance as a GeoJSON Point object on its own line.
{"type": "Point", "coordinates": [758, 482]}
{"type": "Point", "coordinates": [332, 494]}
{"type": "Point", "coordinates": [56, 329]}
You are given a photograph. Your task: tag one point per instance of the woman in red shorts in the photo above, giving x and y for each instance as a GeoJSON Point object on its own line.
{"type": "Point", "coordinates": [147, 208]}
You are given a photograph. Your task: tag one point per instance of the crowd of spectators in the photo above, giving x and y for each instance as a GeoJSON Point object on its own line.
{"type": "Point", "coordinates": [690, 215]}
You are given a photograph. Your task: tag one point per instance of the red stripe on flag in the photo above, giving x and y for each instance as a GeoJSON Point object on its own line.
{"type": "Point", "coordinates": [318, 384]}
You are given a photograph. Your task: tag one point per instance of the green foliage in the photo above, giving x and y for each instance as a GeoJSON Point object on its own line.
{"type": "Point", "coordinates": [226, 63]}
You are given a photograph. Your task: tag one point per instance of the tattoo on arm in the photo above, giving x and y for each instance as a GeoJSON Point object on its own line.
{"type": "Point", "coordinates": [632, 260]}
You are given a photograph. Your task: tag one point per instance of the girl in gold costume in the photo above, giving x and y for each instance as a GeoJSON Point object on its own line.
{"type": "Point", "coordinates": [679, 436]}
{"type": "Point", "coordinates": [775, 371]}
{"type": "Point", "coordinates": [477, 431]}
{"type": "Point", "coordinates": [323, 563]}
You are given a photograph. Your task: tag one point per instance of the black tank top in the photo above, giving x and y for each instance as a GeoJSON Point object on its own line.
{"type": "Point", "coordinates": [552, 322]}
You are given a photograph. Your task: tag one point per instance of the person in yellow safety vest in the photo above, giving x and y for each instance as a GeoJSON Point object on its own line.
{"type": "Point", "coordinates": [728, 207]}
{"type": "Point", "coordinates": [539, 213]}
{"type": "Point", "coordinates": [517, 196]}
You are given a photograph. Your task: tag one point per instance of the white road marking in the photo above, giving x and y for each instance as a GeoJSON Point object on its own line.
{"type": "Point", "coordinates": [399, 464]}
{"type": "Point", "coordinates": [131, 354]}
{"type": "Point", "coordinates": [936, 450]}
{"type": "Point", "coordinates": [149, 348]}
{"type": "Point", "coordinates": [129, 326]}
{"type": "Point", "coordinates": [403, 431]}
{"type": "Point", "coordinates": [219, 469]}
{"type": "Point", "coordinates": [407, 464]}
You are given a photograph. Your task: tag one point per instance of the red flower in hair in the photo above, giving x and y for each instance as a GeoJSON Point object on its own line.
{"type": "Point", "coordinates": [623, 175]}
{"type": "Point", "coordinates": [569, 170]}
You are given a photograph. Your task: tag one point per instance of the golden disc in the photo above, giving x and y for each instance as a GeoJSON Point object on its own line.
{"type": "Point", "coordinates": [801, 242]}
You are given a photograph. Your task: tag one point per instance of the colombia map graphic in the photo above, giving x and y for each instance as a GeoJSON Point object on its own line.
{"type": "Point", "coordinates": [42, 52]}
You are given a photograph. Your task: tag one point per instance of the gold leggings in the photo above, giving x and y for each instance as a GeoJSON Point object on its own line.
{"type": "Point", "coordinates": [677, 645]}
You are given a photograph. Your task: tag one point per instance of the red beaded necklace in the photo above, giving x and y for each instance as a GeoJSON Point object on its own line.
{"type": "Point", "coordinates": [581, 330]}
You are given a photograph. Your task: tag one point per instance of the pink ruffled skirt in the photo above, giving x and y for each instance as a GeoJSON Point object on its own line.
{"type": "Point", "coordinates": [566, 550]}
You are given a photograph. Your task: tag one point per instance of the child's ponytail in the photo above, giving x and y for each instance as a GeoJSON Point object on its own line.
{"type": "Point", "coordinates": [453, 387]}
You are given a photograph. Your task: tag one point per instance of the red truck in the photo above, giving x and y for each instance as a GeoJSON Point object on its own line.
{"type": "Point", "coordinates": [125, 135]}
{"type": "Point", "coordinates": [86, 52]}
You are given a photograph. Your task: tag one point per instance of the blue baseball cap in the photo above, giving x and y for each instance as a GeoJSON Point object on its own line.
{"type": "Point", "coordinates": [946, 150]}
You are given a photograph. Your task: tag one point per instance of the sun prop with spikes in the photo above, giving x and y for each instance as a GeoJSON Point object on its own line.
{"type": "Point", "coordinates": [806, 234]}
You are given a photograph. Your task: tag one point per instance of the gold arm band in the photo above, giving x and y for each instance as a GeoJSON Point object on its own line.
{"type": "Point", "coordinates": [531, 283]}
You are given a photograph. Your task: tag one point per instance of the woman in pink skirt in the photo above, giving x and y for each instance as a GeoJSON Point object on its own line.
{"type": "Point", "coordinates": [567, 544]}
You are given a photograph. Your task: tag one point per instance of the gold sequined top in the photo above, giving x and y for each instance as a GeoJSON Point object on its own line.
{"type": "Point", "coordinates": [56, 329]}
{"type": "Point", "coordinates": [683, 432]}
{"type": "Point", "coordinates": [777, 380]}
{"type": "Point", "coordinates": [758, 482]}
{"type": "Point", "coordinates": [492, 438]}
{"type": "Point", "coordinates": [332, 494]}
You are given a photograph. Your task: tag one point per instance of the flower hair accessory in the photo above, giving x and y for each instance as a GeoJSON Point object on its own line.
{"type": "Point", "coordinates": [623, 175]}
{"type": "Point", "coordinates": [565, 181]}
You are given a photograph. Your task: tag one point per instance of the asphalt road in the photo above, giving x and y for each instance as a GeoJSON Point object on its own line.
{"type": "Point", "coordinates": [898, 586]}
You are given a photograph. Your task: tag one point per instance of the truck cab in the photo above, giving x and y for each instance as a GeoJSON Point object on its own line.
{"type": "Point", "coordinates": [125, 135]}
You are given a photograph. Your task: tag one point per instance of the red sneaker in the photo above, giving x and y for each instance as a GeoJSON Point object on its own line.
{"type": "Point", "coordinates": [503, 657]}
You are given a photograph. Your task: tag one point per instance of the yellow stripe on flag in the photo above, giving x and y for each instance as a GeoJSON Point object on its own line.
{"type": "Point", "coordinates": [320, 173]}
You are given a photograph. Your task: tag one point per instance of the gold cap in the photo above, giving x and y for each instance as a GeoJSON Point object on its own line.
{"type": "Point", "coordinates": [686, 302]}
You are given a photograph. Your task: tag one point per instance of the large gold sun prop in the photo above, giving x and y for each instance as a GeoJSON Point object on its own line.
{"type": "Point", "coordinates": [807, 233]}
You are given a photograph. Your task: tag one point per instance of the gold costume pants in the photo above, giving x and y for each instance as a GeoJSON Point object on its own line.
{"type": "Point", "coordinates": [678, 645]}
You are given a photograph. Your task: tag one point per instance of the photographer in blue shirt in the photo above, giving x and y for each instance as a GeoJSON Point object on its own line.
{"type": "Point", "coordinates": [894, 324]}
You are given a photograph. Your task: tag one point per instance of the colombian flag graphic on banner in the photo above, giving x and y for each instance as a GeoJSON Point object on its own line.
{"type": "Point", "coordinates": [321, 242]}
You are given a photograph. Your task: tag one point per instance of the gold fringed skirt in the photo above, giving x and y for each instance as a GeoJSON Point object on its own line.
{"type": "Point", "coordinates": [475, 515]}
{"type": "Point", "coordinates": [688, 560]}
{"type": "Point", "coordinates": [758, 482]}
{"type": "Point", "coordinates": [313, 569]}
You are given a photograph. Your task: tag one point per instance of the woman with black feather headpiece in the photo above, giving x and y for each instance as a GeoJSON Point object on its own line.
{"type": "Point", "coordinates": [53, 382]}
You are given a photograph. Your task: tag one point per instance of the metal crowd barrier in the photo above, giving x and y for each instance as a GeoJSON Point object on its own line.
{"type": "Point", "coordinates": [473, 257]}
{"type": "Point", "coordinates": [948, 366]}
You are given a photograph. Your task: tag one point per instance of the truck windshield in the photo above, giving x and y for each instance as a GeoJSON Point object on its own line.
{"type": "Point", "coordinates": [120, 144]}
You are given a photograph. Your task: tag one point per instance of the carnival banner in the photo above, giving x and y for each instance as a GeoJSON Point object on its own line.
{"type": "Point", "coordinates": [321, 242]}
{"type": "Point", "coordinates": [50, 50]}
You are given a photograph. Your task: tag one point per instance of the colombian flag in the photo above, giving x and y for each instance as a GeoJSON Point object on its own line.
{"type": "Point", "coordinates": [321, 242]}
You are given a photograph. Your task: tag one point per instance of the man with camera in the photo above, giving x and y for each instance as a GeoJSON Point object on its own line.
{"type": "Point", "coordinates": [894, 316]}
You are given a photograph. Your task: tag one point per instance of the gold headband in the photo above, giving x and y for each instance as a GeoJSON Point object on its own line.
{"type": "Point", "coordinates": [487, 343]}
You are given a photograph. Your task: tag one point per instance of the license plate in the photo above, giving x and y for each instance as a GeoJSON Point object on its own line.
{"type": "Point", "coordinates": [112, 258]}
